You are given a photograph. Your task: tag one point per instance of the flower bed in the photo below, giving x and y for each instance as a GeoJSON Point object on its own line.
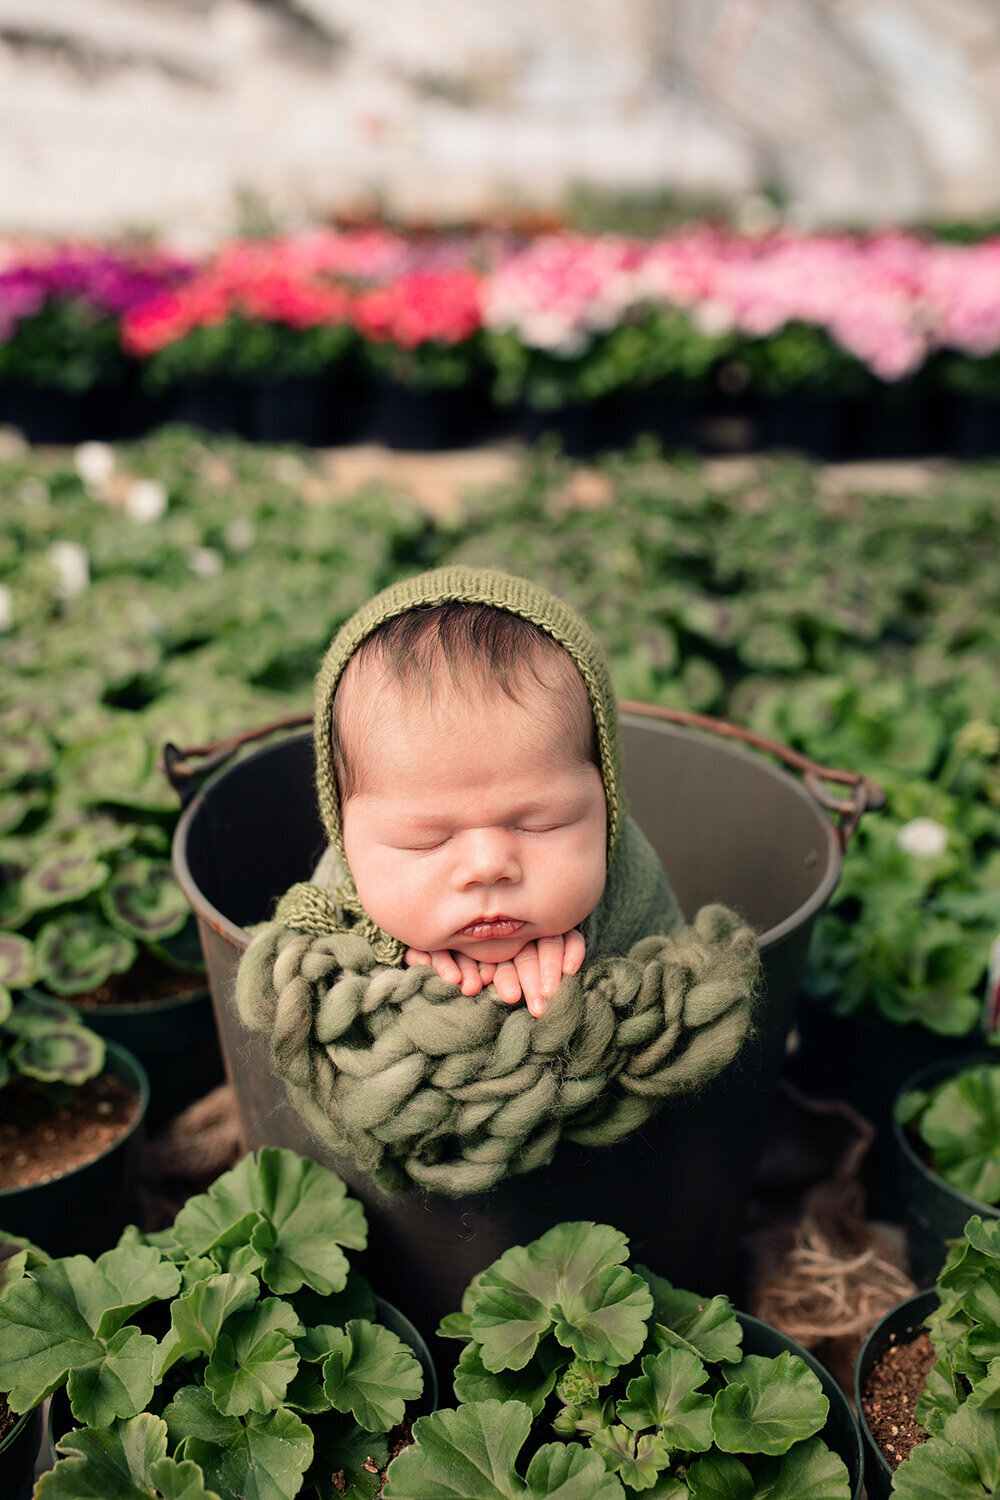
{"type": "Point", "coordinates": [883, 327]}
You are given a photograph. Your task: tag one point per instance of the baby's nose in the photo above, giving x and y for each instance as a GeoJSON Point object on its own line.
{"type": "Point", "coordinates": [486, 856]}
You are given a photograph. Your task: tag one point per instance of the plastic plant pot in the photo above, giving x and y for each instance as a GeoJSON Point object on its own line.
{"type": "Point", "coordinates": [84, 1210]}
{"type": "Point", "coordinates": [18, 1456]}
{"type": "Point", "coordinates": [900, 1325]}
{"type": "Point", "coordinates": [174, 1039]}
{"type": "Point", "coordinates": [934, 1212]}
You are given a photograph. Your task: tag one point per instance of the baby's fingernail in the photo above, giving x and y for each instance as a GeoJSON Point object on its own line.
{"type": "Point", "coordinates": [536, 1005]}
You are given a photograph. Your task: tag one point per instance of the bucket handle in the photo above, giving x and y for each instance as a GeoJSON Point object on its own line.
{"type": "Point", "coordinates": [865, 795]}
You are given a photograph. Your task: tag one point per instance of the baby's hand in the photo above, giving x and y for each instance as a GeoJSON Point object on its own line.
{"type": "Point", "coordinates": [456, 968]}
{"type": "Point", "coordinates": [535, 972]}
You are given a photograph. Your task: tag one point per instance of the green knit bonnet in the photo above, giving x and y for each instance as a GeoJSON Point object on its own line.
{"type": "Point", "coordinates": [471, 586]}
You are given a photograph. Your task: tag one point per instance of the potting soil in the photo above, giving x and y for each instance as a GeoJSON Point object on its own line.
{"type": "Point", "coordinates": [894, 1383]}
{"type": "Point", "coordinates": [39, 1140]}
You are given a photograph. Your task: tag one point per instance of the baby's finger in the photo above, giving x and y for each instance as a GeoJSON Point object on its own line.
{"type": "Point", "coordinates": [508, 986]}
{"type": "Point", "coordinates": [574, 951]}
{"type": "Point", "coordinates": [486, 972]}
{"type": "Point", "coordinates": [413, 958]}
{"type": "Point", "coordinates": [445, 966]}
{"type": "Point", "coordinates": [550, 965]}
{"type": "Point", "coordinates": [472, 981]}
{"type": "Point", "coordinates": [526, 967]}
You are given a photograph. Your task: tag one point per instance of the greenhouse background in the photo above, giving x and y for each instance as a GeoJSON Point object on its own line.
{"type": "Point", "coordinates": [687, 311]}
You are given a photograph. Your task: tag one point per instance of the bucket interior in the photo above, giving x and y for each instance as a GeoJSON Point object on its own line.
{"type": "Point", "coordinates": [727, 824]}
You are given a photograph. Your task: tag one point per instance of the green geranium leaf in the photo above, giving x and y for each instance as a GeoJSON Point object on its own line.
{"type": "Point", "coordinates": [62, 1316]}
{"type": "Point", "coordinates": [296, 1213]}
{"type": "Point", "coordinates": [570, 1280]}
{"type": "Point", "coordinates": [720, 1477]}
{"type": "Point", "coordinates": [708, 1324]}
{"type": "Point", "coordinates": [63, 875]}
{"type": "Point", "coordinates": [118, 1385]}
{"type": "Point", "coordinates": [982, 1304]}
{"type": "Point", "coordinates": [637, 1459]}
{"type": "Point", "coordinates": [57, 1051]}
{"type": "Point", "coordinates": [962, 1463]}
{"type": "Point", "coordinates": [767, 1405]}
{"type": "Point", "coordinates": [24, 752]}
{"type": "Point", "coordinates": [961, 1124]}
{"type": "Point", "coordinates": [124, 1462]}
{"type": "Point", "coordinates": [263, 1458]}
{"type": "Point", "coordinates": [666, 1396]}
{"type": "Point", "coordinates": [371, 1373]}
{"type": "Point", "coordinates": [470, 1454]}
{"type": "Point", "coordinates": [196, 1319]}
{"type": "Point", "coordinates": [254, 1359]}
{"type": "Point", "coordinates": [142, 899]}
{"type": "Point", "coordinates": [809, 1471]}
{"type": "Point", "coordinates": [986, 1391]}
{"type": "Point", "coordinates": [17, 962]}
{"type": "Point", "coordinates": [107, 767]}
{"type": "Point", "coordinates": [533, 1384]}
{"type": "Point", "coordinates": [78, 952]}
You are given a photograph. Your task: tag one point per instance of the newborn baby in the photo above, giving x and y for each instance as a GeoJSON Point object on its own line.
{"type": "Point", "coordinates": [473, 810]}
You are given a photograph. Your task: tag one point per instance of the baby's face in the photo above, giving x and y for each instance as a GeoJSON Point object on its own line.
{"type": "Point", "coordinates": [475, 828]}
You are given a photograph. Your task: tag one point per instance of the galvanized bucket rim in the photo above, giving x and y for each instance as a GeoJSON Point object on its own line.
{"type": "Point", "coordinates": [803, 915]}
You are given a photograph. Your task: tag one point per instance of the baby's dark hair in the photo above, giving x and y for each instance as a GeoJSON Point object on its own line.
{"type": "Point", "coordinates": [482, 648]}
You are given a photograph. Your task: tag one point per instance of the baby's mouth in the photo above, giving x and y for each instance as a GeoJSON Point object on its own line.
{"type": "Point", "coordinates": [491, 927]}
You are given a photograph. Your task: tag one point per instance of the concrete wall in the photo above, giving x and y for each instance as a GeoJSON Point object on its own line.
{"type": "Point", "coordinates": [164, 114]}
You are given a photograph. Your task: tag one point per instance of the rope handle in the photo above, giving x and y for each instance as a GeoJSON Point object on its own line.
{"type": "Point", "coordinates": [865, 795]}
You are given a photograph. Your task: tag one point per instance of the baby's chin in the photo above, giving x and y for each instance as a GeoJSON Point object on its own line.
{"type": "Point", "coordinates": [493, 950]}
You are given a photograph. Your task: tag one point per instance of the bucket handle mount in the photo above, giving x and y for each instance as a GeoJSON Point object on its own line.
{"type": "Point", "coordinates": [864, 795]}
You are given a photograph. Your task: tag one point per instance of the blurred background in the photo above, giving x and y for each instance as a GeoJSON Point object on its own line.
{"type": "Point", "coordinates": [199, 116]}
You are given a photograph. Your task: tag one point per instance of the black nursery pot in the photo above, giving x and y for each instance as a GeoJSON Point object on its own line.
{"type": "Point", "coordinates": [18, 1454]}
{"type": "Point", "coordinates": [809, 422]}
{"type": "Point", "coordinates": [218, 404]}
{"type": "Point", "coordinates": [410, 418]}
{"type": "Point", "coordinates": [581, 428]}
{"type": "Point", "coordinates": [176, 1042]}
{"type": "Point", "coordinates": [84, 1210]}
{"type": "Point", "coordinates": [906, 419]}
{"type": "Point", "coordinates": [841, 1432]}
{"type": "Point", "coordinates": [318, 411]}
{"type": "Point", "coordinates": [655, 411]}
{"type": "Point", "coordinates": [47, 415]}
{"type": "Point", "coordinates": [899, 1326]}
{"type": "Point", "coordinates": [934, 1212]}
{"type": "Point", "coordinates": [973, 427]}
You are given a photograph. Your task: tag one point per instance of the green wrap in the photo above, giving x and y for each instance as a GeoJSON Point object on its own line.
{"type": "Point", "coordinates": [423, 1085]}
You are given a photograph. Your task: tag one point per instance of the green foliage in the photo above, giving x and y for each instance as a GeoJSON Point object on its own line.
{"type": "Point", "coordinates": [647, 1379]}
{"type": "Point", "coordinates": [960, 1405]}
{"type": "Point", "coordinates": [65, 346]}
{"type": "Point", "coordinates": [43, 1039]}
{"type": "Point", "coordinates": [959, 1123]}
{"type": "Point", "coordinates": [234, 1354]}
{"type": "Point", "coordinates": [247, 349]}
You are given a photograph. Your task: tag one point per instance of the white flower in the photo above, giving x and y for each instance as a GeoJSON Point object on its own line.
{"type": "Point", "coordinates": [95, 463]}
{"type": "Point", "coordinates": [240, 534]}
{"type": "Point", "coordinates": [72, 564]}
{"type": "Point", "coordinates": [923, 837]}
{"type": "Point", "coordinates": [6, 607]}
{"type": "Point", "coordinates": [205, 561]}
{"type": "Point", "coordinates": [146, 500]}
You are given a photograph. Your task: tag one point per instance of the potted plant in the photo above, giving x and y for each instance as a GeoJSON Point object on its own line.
{"type": "Point", "coordinates": [946, 1148]}
{"type": "Point", "coordinates": [63, 373]}
{"type": "Point", "coordinates": [235, 1352]}
{"type": "Point", "coordinates": [946, 1407]}
{"type": "Point", "coordinates": [802, 380]}
{"type": "Point", "coordinates": [257, 343]}
{"type": "Point", "coordinates": [20, 1436]}
{"type": "Point", "coordinates": [422, 340]}
{"type": "Point", "coordinates": [642, 1386]}
{"type": "Point", "coordinates": [73, 1107]}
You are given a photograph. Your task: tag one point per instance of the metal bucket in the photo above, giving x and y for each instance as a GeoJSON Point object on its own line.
{"type": "Point", "coordinates": [728, 825]}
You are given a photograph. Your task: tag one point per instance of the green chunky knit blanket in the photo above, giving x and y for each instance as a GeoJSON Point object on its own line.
{"type": "Point", "coordinates": [422, 1085]}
